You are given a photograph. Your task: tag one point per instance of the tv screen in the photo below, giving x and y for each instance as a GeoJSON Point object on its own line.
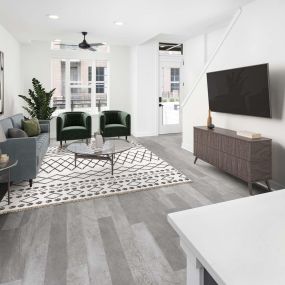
{"type": "Point", "coordinates": [242, 91]}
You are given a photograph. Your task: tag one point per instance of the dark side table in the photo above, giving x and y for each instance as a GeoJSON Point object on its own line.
{"type": "Point", "coordinates": [5, 169]}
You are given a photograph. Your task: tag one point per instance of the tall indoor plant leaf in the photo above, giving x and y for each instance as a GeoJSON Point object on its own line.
{"type": "Point", "coordinates": [38, 101]}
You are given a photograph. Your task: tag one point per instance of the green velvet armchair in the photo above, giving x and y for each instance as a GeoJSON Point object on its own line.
{"type": "Point", "coordinates": [73, 126]}
{"type": "Point", "coordinates": [115, 124]}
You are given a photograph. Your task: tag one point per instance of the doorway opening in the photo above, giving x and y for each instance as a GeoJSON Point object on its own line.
{"type": "Point", "coordinates": [171, 84]}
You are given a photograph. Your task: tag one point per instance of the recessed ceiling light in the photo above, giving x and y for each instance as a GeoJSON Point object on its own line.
{"type": "Point", "coordinates": [53, 17]}
{"type": "Point", "coordinates": [118, 23]}
{"type": "Point", "coordinates": [57, 40]}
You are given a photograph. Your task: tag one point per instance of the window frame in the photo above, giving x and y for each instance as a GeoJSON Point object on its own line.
{"type": "Point", "coordinates": [69, 84]}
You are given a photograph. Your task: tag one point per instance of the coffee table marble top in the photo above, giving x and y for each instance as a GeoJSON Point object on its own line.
{"type": "Point", "coordinates": [110, 147]}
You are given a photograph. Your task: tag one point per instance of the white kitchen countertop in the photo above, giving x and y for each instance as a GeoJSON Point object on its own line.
{"type": "Point", "coordinates": [239, 242]}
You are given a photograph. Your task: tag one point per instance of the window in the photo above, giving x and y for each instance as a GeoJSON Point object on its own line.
{"type": "Point", "coordinates": [81, 85]}
{"type": "Point", "coordinates": [170, 48]}
{"type": "Point", "coordinates": [58, 82]}
{"type": "Point", "coordinates": [100, 78]}
{"type": "Point", "coordinates": [89, 73]}
{"type": "Point", "coordinates": [175, 87]}
{"type": "Point", "coordinates": [174, 74]}
{"type": "Point", "coordinates": [175, 79]}
{"type": "Point", "coordinates": [100, 71]}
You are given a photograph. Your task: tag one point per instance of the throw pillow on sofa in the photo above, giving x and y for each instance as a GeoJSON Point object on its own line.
{"type": "Point", "coordinates": [16, 133]}
{"type": "Point", "coordinates": [32, 127]}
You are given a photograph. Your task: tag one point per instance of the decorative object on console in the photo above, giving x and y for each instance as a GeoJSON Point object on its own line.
{"type": "Point", "coordinates": [39, 101]}
{"type": "Point", "coordinates": [1, 82]}
{"type": "Point", "coordinates": [247, 159]}
{"type": "Point", "coordinates": [249, 135]}
{"type": "Point", "coordinates": [210, 125]}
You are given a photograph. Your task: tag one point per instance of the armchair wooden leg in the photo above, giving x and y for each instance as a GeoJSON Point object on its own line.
{"type": "Point", "coordinates": [126, 138]}
{"type": "Point", "coordinates": [61, 144]}
{"type": "Point", "coordinates": [31, 182]}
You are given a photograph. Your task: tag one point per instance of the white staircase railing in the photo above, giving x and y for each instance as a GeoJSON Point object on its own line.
{"type": "Point", "coordinates": [212, 57]}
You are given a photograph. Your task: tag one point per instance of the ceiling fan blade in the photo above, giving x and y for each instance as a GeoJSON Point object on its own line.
{"type": "Point", "coordinates": [92, 49]}
{"type": "Point", "coordinates": [96, 45]}
{"type": "Point", "coordinates": [66, 45]}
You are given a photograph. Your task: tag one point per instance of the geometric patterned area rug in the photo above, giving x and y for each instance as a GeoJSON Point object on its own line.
{"type": "Point", "coordinates": [59, 181]}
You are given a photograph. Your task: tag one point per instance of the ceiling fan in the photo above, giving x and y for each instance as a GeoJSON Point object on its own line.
{"type": "Point", "coordinates": [83, 45]}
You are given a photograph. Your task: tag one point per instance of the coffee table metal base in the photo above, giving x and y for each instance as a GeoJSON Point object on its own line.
{"type": "Point", "coordinates": [109, 157]}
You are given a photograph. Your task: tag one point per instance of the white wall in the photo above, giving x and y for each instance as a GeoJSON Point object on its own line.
{"type": "Point", "coordinates": [12, 73]}
{"type": "Point", "coordinates": [196, 53]}
{"type": "Point", "coordinates": [37, 63]}
{"type": "Point", "coordinates": [256, 38]}
{"type": "Point", "coordinates": [134, 87]}
{"type": "Point", "coordinates": [145, 89]}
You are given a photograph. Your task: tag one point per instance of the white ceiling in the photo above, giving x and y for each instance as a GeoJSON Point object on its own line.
{"type": "Point", "coordinates": [144, 19]}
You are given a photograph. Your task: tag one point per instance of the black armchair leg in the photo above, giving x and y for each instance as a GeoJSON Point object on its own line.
{"type": "Point", "coordinates": [61, 144]}
{"type": "Point", "coordinates": [31, 182]}
{"type": "Point", "coordinates": [126, 138]}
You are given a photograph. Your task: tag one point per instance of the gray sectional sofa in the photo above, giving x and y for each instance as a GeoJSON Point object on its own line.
{"type": "Point", "coordinates": [28, 151]}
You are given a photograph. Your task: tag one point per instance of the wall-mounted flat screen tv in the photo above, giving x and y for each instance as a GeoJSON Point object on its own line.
{"type": "Point", "coordinates": [243, 91]}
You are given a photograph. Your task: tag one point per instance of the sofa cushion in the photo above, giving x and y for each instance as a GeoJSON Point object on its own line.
{"type": "Point", "coordinates": [74, 133]}
{"type": "Point", "coordinates": [113, 130]}
{"type": "Point", "coordinates": [74, 130]}
{"type": "Point", "coordinates": [6, 124]}
{"type": "Point", "coordinates": [17, 121]}
{"type": "Point", "coordinates": [16, 133]}
{"type": "Point", "coordinates": [32, 127]}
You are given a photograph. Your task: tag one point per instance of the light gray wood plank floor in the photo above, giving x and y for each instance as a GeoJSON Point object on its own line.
{"type": "Point", "coordinates": [118, 240]}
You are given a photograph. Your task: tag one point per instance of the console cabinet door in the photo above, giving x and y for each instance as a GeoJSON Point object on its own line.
{"type": "Point", "coordinates": [249, 160]}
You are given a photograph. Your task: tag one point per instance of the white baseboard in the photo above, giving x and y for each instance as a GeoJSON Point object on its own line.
{"type": "Point", "coordinates": [144, 134]}
{"type": "Point", "coordinates": [187, 147]}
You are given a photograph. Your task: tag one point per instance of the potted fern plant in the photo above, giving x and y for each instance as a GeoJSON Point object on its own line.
{"type": "Point", "coordinates": [39, 101]}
